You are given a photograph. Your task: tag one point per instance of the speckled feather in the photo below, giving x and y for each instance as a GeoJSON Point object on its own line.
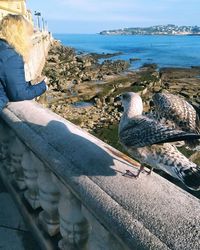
{"type": "Point", "coordinates": [141, 131]}
{"type": "Point", "coordinates": [178, 111]}
{"type": "Point", "coordinates": [166, 157]}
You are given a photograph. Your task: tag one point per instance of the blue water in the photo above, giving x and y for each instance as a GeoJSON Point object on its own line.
{"type": "Point", "coordinates": [166, 51]}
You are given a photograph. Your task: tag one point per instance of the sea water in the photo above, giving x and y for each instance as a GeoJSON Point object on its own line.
{"type": "Point", "coordinates": [164, 50]}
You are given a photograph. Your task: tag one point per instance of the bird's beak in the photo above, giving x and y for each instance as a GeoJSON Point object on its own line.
{"type": "Point", "coordinates": [151, 104]}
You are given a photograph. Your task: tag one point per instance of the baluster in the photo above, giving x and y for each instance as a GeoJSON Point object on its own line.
{"type": "Point", "coordinates": [6, 136]}
{"type": "Point", "coordinates": [48, 197]}
{"type": "Point", "coordinates": [3, 137]}
{"type": "Point", "coordinates": [29, 163]}
{"type": "Point", "coordinates": [114, 244]}
{"type": "Point", "coordinates": [100, 238]}
{"type": "Point", "coordinates": [74, 227]}
{"type": "Point", "coordinates": [17, 148]}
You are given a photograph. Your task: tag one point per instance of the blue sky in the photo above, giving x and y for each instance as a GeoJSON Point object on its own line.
{"type": "Point", "coordinates": [93, 16]}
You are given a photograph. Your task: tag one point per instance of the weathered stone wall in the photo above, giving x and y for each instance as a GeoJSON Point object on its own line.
{"type": "Point", "coordinates": [14, 7]}
{"type": "Point", "coordinates": [41, 44]}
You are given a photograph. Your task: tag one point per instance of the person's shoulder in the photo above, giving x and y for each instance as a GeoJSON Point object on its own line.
{"type": "Point", "coordinates": [7, 52]}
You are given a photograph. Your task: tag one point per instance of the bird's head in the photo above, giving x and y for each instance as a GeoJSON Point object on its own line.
{"type": "Point", "coordinates": [132, 103]}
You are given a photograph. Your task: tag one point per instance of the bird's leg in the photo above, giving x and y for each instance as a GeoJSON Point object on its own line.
{"type": "Point", "coordinates": [131, 174]}
{"type": "Point", "coordinates": [149, 171]}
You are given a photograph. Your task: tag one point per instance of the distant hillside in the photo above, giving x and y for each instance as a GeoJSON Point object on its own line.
{"type": "Point", "coordinates": [169, 29]}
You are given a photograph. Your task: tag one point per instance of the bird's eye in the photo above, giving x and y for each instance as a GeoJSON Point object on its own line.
{"type": "Point", "coordinates": [151, 103]}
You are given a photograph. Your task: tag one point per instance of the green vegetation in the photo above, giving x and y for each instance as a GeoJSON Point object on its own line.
{"type": "Point", "coordinates": [148, 77]}
{"type": "Point", "coordinates": [76, 121]}
{"type": "Point", "coordinates": [107, 88]}
{"type": "Point", "coordinates": [110, 136]}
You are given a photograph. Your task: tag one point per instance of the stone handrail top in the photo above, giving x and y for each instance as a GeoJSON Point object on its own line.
{"type": "Point", "coordinates": [147, 213]}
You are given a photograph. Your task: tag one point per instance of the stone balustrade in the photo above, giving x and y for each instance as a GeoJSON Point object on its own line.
{"type": "Point", "coordinates": [69, 187]}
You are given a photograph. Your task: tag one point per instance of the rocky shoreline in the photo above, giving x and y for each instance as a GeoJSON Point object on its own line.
{"type": "Point", "coordinates": [83, 90]}
{"type": "Point", "coordinates": [81, 78]}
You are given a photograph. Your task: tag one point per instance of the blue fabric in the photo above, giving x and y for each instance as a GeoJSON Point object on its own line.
{"type": "Point", "coordinates": [13, 86]}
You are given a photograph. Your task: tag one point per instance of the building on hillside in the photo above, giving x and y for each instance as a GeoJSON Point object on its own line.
{"type": "Point", "coordinates": [15, 7]}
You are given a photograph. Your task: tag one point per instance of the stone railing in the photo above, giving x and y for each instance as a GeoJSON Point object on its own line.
{"type": "Point", "coordinates": [69, 187]}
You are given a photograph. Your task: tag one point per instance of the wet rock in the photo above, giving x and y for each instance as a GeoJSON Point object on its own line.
{"type": "Point", "coordinates": [134, 59]}
{"type": "Point", "coordinates": [105, 55]}
{"type": "Point", "coordinates": [63, 64]}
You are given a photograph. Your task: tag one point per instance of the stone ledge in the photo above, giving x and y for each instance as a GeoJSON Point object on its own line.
{"type": "Point", "coordinates": [148, 213]}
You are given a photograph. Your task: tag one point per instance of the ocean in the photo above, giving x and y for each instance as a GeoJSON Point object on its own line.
{"type": "Point", "coordinates": [165, 51]}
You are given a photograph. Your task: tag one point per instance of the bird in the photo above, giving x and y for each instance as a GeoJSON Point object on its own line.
{"type": "Point", "coordinates": [148, 140]}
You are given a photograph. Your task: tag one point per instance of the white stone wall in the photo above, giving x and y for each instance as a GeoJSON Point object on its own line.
{"type": "Point", "coordinates": [14, 7]}
{"type": "Point", "coordinates": [41, 44]}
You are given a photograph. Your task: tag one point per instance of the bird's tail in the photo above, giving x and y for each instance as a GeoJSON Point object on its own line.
{"type": "Point", "coordinates": [191, 177]}
{"type": "Point", "coordinates": [192, 144]}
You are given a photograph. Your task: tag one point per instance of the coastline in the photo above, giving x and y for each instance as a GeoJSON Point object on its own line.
{"type": "Point", "coordinates": [169, 29]}
{"type": "Point", "coordinates": [81, 78]}
{"type": "Point", "coordinates": [165, 51]}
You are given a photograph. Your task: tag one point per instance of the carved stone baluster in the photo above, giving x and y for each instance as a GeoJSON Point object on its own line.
{"type": "Point", "coordinates": [100, 237]}
{"type": "Point", "coordinates": [29, 163]}
{"type": "Point", "coordinates": [48, 197]}
{"type": "Point", "coordinates": [3, 137]}
{"type": "Point", "coordinates": [17, 148]}
{"type": "Point", "coordinates": [74, 227]}
{"type": "Point", "coordinates": [6, 136]}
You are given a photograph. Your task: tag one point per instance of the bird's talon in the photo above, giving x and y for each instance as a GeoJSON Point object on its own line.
{"type": "Point", "coordinates": [130, 174]}
{"type": "Point", "coordinates": [149, 171]}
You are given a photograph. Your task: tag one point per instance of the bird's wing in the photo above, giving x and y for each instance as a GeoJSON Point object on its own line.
{"type": "Point", "coordinates": [178, 111]}
{"type": "Point", "coordinates": [143, 131]}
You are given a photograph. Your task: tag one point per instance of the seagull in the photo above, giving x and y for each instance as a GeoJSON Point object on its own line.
{"type": "Point", "coordinates": [149, 141]}
{"type": "Point", "coordinates": [179, 113]}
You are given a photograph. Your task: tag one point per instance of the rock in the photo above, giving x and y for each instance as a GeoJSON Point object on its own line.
{"type": "Point", "coordinates": [103, 55]}
{"type": "Point", "coordinates": [134, 59]}
{"type": "Point", "coordinates": [75, 81]}
{"type": "Point", "coordinates": [63, 64]}
{"type": "Point", "coordinates": [86, 77]}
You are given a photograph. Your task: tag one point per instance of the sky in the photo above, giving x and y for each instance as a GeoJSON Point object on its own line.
{"type": "Point", "coordinates": [93, 16]}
